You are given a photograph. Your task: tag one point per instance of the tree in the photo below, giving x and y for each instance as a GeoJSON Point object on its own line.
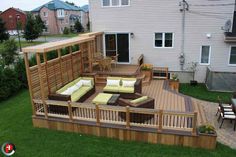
{"type": "Point", "coordinates": [71, 3]}
{"type": "Point", "coordinates": [88, 26]}
{"type": "Point", "coordinates": [3, 31]}
{"type": "Point", "coordinates": [78, 26]}
{"type": "Point", "coordinates": [66, 30]}
{"type": "Point", "coordinates": [41, 26]}
{"type": "Point", "coordinates": [8, 52]}
{"type": "Point", "coordinates": [32, 29]}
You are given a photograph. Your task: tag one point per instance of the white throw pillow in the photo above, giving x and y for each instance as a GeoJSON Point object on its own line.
{"type": "Point", "coordinates": [86, 82]}
{"type": "Point", "coordinates": [113, 82]}
{"type": "Point", "coordinates": [70, 90]}
{"type": "Point", "coordinates": [79, 84]}
{"type": "Point", "coordinates": [128, 83]}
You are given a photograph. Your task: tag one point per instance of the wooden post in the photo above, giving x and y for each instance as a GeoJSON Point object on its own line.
{"type": "Point", "coordinates": [127, 117]}
{"type": "Point", "coordinates": [70, 111]}
{"type": "Point", "coordinates": [71, 58]}
{"type": "Point", "coordinates": [59, 57]}
{"type": "Point", "coordinates": [160, 120]}
{"type": "Point", "coordinates": [29, 81]}
{"type": "Point", "coordinates": [89, 43]}
{"type": "Point", "coordinates": [194, 132]}
{"type": "Point", "coordinates": [41, 85]}
{"type": "Point", "coordinates": [97, 115]}
{"type": "Point", "coordinates": [46, 68]}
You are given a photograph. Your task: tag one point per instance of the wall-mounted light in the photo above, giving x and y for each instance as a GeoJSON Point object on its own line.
{"type": "Point", "coordinates": [132, 35]}
{"type": "Point", "coordinates": [208, 35]}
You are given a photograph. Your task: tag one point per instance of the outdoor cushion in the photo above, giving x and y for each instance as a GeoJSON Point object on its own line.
{"type": "Point", "coordinates": [88, 78]}
{"type": "Point", "coordinates": [65, 87]}
{"type": "Point", "coordinates": [113, 78]}
{"type": "Point", "coordinates": [102, 98]}
{"type": "Point", "coordinates": [139, 100]}
{"type": "Point", "coordinates": [126, 89]}
{"type": "Point", "coordinates": [86, 82]}
{"type": "Point", "coordinates": [79, 93]}
{"type": "Point", "coordinates": [111, 89]}
{"type": "Point", "coordinates": [129, 79]}
{"type": "Point", "coordinates": [79, 84]}
{"type": "Point", "coordinates": [77, 80]}
{"type": "Point", "coordinates": [128, 83]}
{"type": "Point", "coordinates": [70, 90]}
{"type": "Point", "coordinates": [113, 82]}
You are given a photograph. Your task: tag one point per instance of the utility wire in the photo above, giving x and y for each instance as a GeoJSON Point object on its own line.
{"type": "Point", "coordinates": [208, 15]}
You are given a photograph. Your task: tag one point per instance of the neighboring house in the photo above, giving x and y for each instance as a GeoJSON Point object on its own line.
{"type": "Point", "coordinates": [57, 15]}
{"type": "Point", "coordinates": [85, 16]}
{"type": "Point", "coordinates": [11, 16]}
{"type": "Point", "coordinates": [155, 28]}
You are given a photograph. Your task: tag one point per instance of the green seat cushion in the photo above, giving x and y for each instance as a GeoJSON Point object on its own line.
{"type": "Point", "coordinates": [88, 78]}
{"type": "Point", "coordinates": [77, 80]}
{"type": "Point", "coordinates": [113, 78]}
{"type": "Point", "coordinates": [126, 89]}
{"type": "Point", "coordinates": [111, 89]}
{"type": "Point", "coordinates": [65, 87]}
{"type": "Point", "coordinates": [129, 79]}
{"type": "Point", "coordinates": [139, 100]}
{"type": "Point", "coordinates": [102, 98]}
{"type": "Point", "coordinates": [79, 93]}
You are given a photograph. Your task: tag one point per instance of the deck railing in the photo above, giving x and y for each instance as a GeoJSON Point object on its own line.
{"type": "Point", "coordinates": [117, 115]}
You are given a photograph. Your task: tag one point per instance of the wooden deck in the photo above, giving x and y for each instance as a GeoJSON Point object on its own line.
{"type": "Point", "coordinates": [166, 99]}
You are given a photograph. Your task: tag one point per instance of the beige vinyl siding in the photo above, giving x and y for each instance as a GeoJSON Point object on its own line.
{"type": "Point", "coordinates": [144, 18]}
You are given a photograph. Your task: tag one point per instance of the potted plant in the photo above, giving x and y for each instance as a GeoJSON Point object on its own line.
{"type": "Point", "coordinates": [147, 70]}
{"type": "Point", "coordinates": [206, 129]}
{"type": "Point", "coordinates": [193, 69]}
{"type": "Point", "coordinates": [174, 82]}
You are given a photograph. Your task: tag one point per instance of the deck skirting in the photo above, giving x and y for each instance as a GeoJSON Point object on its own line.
{"type": "Point", "coordinates": [128, 134]}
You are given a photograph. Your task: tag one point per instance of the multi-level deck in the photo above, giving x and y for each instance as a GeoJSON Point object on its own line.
{"type": "Point", "coordinates": [174, 119]}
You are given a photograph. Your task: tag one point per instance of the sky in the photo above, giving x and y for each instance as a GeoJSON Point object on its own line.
{"type": "Point", "coordinates": [28, 5]}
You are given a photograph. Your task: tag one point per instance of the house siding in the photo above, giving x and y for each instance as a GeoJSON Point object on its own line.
{"type": "Point", "coordinates": [143, 19]}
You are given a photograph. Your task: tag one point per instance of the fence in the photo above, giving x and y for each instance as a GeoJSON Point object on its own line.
{"type": "Point", "coordinates": [121, 116]}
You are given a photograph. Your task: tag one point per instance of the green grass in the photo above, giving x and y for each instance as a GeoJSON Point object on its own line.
{"type": "Point", "coordinates": [61, 35]}
{"type": "Point", "coordinates": [16, 127]}
{"type": "Point", "coordinates": [200, 91]}
{"type": "Point", "coordinates": [24, 43]}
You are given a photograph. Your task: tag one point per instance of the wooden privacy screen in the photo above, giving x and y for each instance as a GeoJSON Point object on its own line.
{"type": "Point", "coordinates": [56, 73]}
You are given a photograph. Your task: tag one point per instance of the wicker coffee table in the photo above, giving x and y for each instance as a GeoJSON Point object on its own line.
{"type": "Point", "coordinates": [106, 99]}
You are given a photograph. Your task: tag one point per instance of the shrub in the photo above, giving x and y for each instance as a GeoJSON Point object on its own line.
{"type": "Point", "coordinates": [8, 52]}
{"type": "Point", "coordinates": [21, 72]}
{"type": "Point", "coordinates": [66, 31]}
{"type": "Point", "coordinates": [9, 83]}
{"type": "Point", "coordinates": [206, 129]}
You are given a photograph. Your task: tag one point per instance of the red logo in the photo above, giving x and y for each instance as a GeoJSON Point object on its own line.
{"type": "Point", "coordinates": [8, 149]}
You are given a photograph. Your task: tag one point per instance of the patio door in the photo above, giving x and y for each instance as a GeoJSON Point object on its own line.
{"type": "Point", "coordinates": [117, 43]}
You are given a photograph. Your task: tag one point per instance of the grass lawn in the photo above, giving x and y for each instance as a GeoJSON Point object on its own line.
{"type": "Point", "coordinates": [16, 127]}
{"type": "Point", "coordinates": [61, 35]}
{"type": "Point", "coordinates": [200, 91]}
{"type": "Point", "coordinates": [24, 43]}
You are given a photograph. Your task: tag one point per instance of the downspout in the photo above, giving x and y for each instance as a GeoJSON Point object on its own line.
{"type": "Point", "coordinates": [185, 7]}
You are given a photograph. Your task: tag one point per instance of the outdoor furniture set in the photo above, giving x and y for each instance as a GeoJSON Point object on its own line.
{"type": "Point", "coordinates": [228, 111]}
{"type": "Point", "coordinates": [117, 92]}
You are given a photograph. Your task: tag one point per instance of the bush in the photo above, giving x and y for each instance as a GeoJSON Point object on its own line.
{"type": "Point", "coordinates": [21, 72]}
{"type": "Point", "coordinates": [9, 83]}
{"type": "Point", "coordinates": [206, 129]}
{"type": "Point", "coordinates": [66, 31]}
{"type": "Point", "coordinates": [8, 52]}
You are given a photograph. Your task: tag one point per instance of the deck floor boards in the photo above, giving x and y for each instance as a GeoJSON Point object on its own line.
{"type": "Point", "coordinates": [166, 99]}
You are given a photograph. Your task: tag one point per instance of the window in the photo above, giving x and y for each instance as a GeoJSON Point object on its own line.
{"type": "Point", "coordinates": [60, 13]}
{"type": "Point", "coordinates": [46, 22]}
{"type": "Point", "coordinates": [163, 40]}
{"type": "Point", "coordinates": [205, 55]}
{"type": "Point", "coordinates": [232, 56]}
{"type": "Point", "coordinates": [115, 3]}
{"type": "Point", "coordinates": [45, 14]}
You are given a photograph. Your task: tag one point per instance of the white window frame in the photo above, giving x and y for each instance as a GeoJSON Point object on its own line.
{"type": "Point", "coordinates": [209, 57]}
{"type": "Point", "coordinates": [46, 22]}
{"type": "Point", "coordinates": [114, 6]}
{"type": "Point", "coordinates": [229, 56]}
{"type": "Point", "coordinates": [60, 13]}
{"type": "Point", "coordinates": [46, 14]}
{"type": "Point", "coordinates": [163, 39]}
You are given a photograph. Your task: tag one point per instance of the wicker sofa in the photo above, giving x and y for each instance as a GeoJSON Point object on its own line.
{"type": "Point", "coordinates": [145, 103]}
{"type": "Point", "coordinates": [127, 92]}
{"type": "Point", "coordinates": [80, 95]}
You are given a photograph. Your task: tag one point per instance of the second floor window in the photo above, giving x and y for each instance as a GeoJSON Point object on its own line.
{"type": "Point", "coordinates": [60, 13]}
{"type": "Point", "coordinates": [115, 3]}
{"type": "Point", "coordinates": [45, 14]}
{"type": "Point", "coordinates": [163, 40]}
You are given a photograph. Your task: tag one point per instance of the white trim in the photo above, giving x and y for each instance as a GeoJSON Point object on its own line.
{"type": "Point", "coordinates": [229, 56]}
{"type": "Point", "coordinates": [163, 39]}
{"type": "Point", "coordinates": [209, 56]}
{"type": "Point", "coordinates": [115, 6]}
{"type": "Point", "coordinates": [115, 33]}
